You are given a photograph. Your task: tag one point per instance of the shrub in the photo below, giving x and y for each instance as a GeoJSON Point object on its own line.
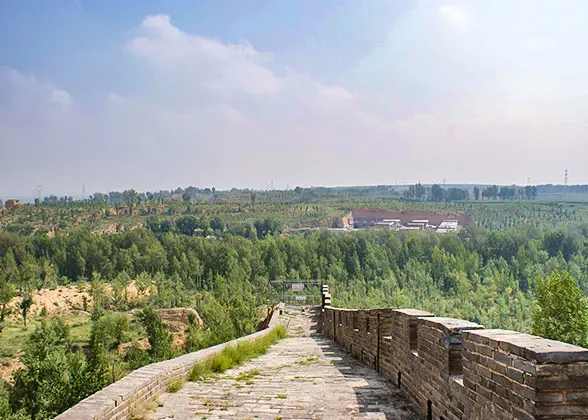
{"type": "Point", "coordinates": [175, 386]}
{"type": "Point", "coordinates": [221, 362]}
{"type": "Point", "coordinates": [197, 338]}
{"type": "Point", "coordinates": [109, 331]}
{"type": "Point", "coordinates": [136, 358]}
{"type": "Point", "coordinates": [199, 372]}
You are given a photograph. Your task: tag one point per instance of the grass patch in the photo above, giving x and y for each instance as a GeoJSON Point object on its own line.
{"type": "Point", "coordinates": [248, 375]}
{"type": "Point", "coordinates": [235, 355]}
{"type": "Point", "coordinates": [14, 335]}
{"type": "Point", "coordinates": [282, 396]}
{"type": "Point", "coordinates": [175, 386]}
{"type": "Point", "coordinates": [308, 361]}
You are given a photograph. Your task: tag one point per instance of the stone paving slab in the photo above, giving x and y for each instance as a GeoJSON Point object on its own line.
{"type": "Point", "coordinates": [302, 377]}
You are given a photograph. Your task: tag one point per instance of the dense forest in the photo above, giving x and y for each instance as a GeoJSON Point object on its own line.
{"type": "Point", "coordinates": [364, 268]}
{"type": "Point", "coordinates": [221, 259]}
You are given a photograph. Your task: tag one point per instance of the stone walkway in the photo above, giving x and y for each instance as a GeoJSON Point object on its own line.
{"type": "Point", "coordinates": [301, 377]}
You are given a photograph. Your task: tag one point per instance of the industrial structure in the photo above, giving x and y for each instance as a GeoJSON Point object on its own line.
{"type": "Point", "coordinates": [408, 219]}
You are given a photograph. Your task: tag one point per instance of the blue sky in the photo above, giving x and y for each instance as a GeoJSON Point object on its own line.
{"type": "Point", "coordinates": [153, 94]}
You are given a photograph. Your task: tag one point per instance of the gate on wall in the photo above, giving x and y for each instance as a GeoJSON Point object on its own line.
{"type": "Point", "coordinates": [298, 292]}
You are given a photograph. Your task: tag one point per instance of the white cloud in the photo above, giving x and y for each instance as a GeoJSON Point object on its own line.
{"type": "Point", "coordinates": [206, 113]}
{"type": "Point", "coordinates": [333, 92]}
{"type": "Point", "coordinates": [61, 97]}
{"type": "Point", "coordinates": [226, 68]}
{"type": "Point", "coordinates": [453, 12]}
{"type": "Point", "coordinates": [442, 103]}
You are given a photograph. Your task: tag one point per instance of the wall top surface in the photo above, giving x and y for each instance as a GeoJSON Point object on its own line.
{"type": "Point", "coordinates": [528, 346]}
{"type": "Point", "coordinates": [450, 325]}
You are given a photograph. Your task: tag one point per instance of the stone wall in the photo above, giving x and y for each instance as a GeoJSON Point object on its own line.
{"type": "Point", "coordinates": [455, 369]}
{"type": "Point", "coordinates": [120, 400]}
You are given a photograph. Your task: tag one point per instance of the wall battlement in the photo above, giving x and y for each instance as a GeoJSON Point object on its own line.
{"type": "Point", "coordinates": [455, 369]}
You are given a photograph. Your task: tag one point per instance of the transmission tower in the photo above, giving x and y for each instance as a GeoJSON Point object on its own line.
{"type": "Point", "coordinates": [566, 177]}
{"type": "Point", "coordinates": [38, 191]}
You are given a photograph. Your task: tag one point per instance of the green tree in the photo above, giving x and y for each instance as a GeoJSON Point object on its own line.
{"type": "Point", "coordinates": [25, 305]}
{"type": "Point", "coordinates": [7, 292]}
{"type": "Point", "coordinates": [30, 278]}
{"type": "Point", "coordinates": [187, 224]}
{"type": "Point", "coordinates": [437, 193]}
{"type": "Point", "coordinates": [476, 192]}
{"type": "Point", "coordinates": [186, 198]}
{"type": "Point", "coordinates": [49, 276]}
{"type": "Point", "coordinates": [159, 338]}
{"type": "Point", "coordinates": [119, 287]}
{"type": "Point", "coordinates": [10, 268]}
{"type": "Point", "coordinates": [561, 310]}
{"type": "Point", "coordinates": [99, 296]}
{"type": "Point", "coordinates": [54, 377]}
{"type": "Point", "coordinates": [109, 331]}
{"type": "Point", "coordinates": [143, 283]}
{"type": "Point", "coordinates": [6, 412]}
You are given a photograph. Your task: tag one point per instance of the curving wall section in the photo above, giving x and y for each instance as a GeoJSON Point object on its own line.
{"type": "Point", "coordinates": [455, 369]}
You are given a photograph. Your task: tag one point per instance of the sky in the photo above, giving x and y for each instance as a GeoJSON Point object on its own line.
{"type": "Point", "coordinates": [155, 94]}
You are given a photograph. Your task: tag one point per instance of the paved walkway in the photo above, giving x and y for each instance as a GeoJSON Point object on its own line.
{"type": "Point", "coordinates": [302, 377]}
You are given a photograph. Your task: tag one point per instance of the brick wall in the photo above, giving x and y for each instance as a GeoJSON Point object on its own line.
{"type": "Point", "coordinates": [456, 369]}
{"type": "Point", "coordinates": [119, 400]}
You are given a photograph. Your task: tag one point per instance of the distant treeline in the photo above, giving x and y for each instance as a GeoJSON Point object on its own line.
{"type": "Point", "coordinates": [562, 189]}
{"type": "Point", "coordinates": [420, 192]}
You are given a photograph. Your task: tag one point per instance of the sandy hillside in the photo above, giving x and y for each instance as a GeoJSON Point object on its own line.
{"type": "Point", "coordinates": [63, 300]}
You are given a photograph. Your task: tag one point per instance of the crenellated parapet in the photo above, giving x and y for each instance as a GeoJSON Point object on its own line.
{"type": "Point", "coordinates": [456, 369]}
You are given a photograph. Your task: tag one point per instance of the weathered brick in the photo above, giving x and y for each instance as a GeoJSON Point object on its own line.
{"type": "Point", "coordinates": [562, 410]}
{"type": "Point", "coordinates": [503, 358]}
{"type": "Point", "coordinates": [549, 397]}
{"type": "Point", "coordinates": [519, 414]}
{"type": "Point", "coordinates": [577, 396]}
{"type": "Point", "coordinates": [555, 383]}
{"type": "Point", "coordinates": [524, 365]}
{"type": "Point", "coordinates": [517, 375]}
{"type": "Point", "coordinates": [524, 391]}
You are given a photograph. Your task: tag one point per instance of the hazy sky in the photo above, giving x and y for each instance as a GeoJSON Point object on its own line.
{"type": "Point", "coordinates": [152, 94]}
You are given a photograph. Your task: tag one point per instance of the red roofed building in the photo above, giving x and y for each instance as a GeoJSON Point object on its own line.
{"type": "Point", "coordinates": [409, 219]}
{"type": "Point", "coordinates": [11, 203]}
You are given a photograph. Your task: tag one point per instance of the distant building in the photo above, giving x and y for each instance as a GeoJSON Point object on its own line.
{"type": "Point", "coordinates": [448, 226]}
{"type": "Point", "coordinates": [409, 219]}
{"type": "Point", "coordinates": [11, 203]}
